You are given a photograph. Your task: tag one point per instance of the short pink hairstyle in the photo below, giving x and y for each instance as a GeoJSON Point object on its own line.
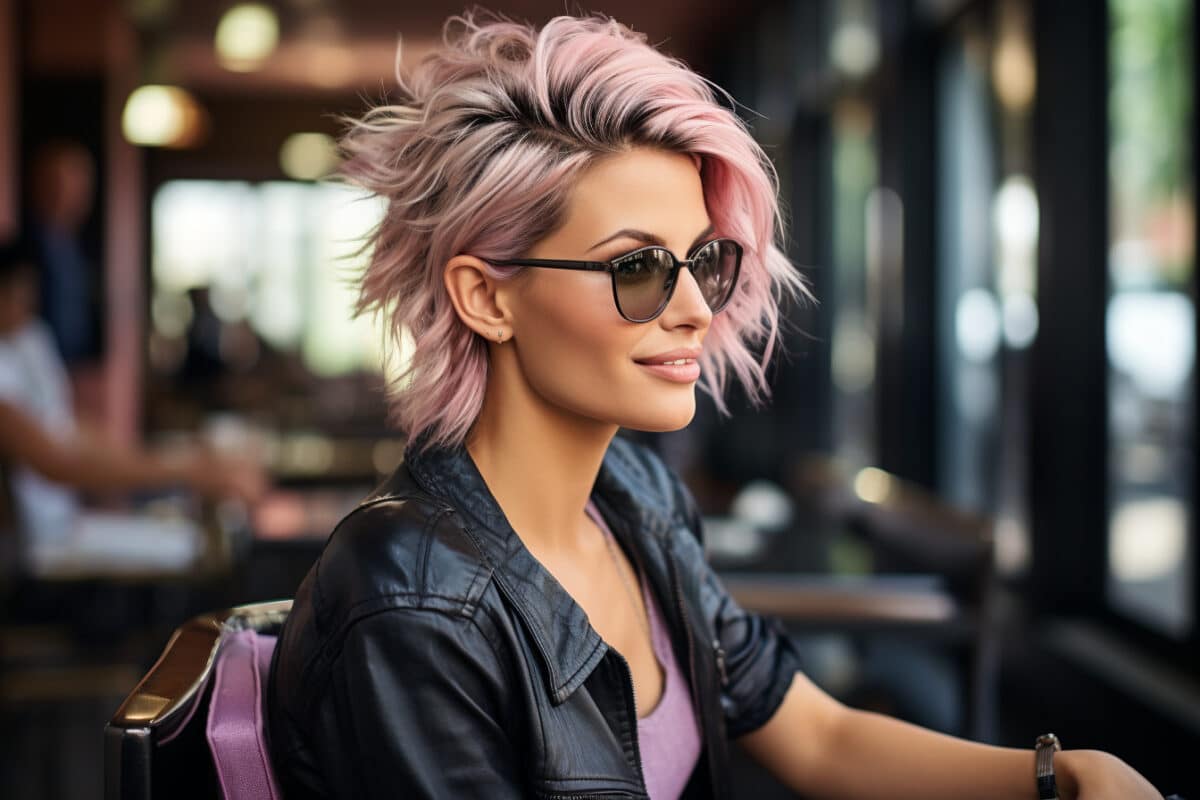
{"type": "Point", "coordinates": [478, 155]}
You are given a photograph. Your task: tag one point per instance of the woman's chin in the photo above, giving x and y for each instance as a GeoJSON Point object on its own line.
{"type": "Point", "coordinates": [669, 417]}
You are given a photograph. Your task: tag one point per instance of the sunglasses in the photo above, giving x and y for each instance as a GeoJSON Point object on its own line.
{"type": "Point", "coordinates": [644, 280]}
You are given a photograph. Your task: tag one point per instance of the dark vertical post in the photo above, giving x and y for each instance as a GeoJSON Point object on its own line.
{"type": "Point", "coordinates": [804, 401]}
{"type": "Point", "coordinates": [1069, 450]}
{"type": "Point", "coordinates": [905, 412]}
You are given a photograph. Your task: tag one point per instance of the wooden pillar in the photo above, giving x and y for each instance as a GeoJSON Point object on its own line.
{"type": "Point", "coordinates": [9, 175]}
{"type": "Point", "coordinates": [124, 241]}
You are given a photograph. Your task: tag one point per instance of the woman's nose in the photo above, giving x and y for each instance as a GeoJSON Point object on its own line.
{"type": "Point", "coordinates": [687, 305]}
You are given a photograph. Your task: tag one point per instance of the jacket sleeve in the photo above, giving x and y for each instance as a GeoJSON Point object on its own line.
{"type": "Point", "coordinates": [414, 708]}
{"type": "Point", "coordinates": [758, 658]}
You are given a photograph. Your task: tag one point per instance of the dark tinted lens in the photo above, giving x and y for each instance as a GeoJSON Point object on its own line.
{"type": "Point", "coordinates": [715, 270]}
{"type": "Point", "coordinates": [642, 280]}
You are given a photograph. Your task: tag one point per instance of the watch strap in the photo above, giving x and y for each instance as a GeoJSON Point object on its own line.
{"type": "Point", "coordinates": [1047, 744]}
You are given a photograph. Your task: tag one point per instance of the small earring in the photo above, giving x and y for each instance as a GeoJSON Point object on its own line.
{"type": "Point", "coordinates": [500, 336]}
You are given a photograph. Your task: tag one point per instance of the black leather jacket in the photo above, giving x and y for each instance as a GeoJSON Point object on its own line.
{"type": "Point", "coordinates": [428, 654]}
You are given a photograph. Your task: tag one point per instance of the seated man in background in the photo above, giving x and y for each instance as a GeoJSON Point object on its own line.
{"type": "Point", "coordinates": [50, 456]}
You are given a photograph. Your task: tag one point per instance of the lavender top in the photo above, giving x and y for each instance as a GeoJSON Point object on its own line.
{"type": "Point", "coordinates": [669, 736]}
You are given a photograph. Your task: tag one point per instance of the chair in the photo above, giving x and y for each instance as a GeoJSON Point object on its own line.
{"type": "Point", "coordinates": [155, 746]}
{"type": "Point", "coordinates": [911, 531]}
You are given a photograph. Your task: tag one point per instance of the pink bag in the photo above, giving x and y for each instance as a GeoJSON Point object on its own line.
{"type": "Point", "coordinates": [235, 718]}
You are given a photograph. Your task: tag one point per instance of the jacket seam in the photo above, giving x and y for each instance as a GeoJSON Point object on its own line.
{"type": "Point", "coordinates": [337, 631]}
{"type": "Point", "coordinates": [320, 688]}
{"type": "Point", "coordinates": [510, 678]}
{"type": "Point", "coordinates": [318, 599]}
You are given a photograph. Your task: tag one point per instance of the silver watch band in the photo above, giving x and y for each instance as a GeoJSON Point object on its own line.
{"type": "Point", "coordinates": [1046, 745]}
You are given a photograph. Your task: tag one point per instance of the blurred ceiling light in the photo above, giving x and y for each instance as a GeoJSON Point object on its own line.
{"type": "Point", "coordinates": [246, 35]}
{"type": "Point", "coordinates": [163, 116]}
{"type": "Point", "coordinates": [308, 156]}
{"type": "Point", "coordinates": [1014, 70]}
{"type": "Point", "coordinates": [854, 49]}
{"type": "Point", "coordinates": [1014, 74]}
{"type": "Point", "coordinates": [872, 485]}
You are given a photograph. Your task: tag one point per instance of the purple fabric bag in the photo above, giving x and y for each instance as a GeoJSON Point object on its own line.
{"type": "Point", "coordinates": [235, 718]}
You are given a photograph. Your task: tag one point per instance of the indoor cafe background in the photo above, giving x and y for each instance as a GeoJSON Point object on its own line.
{"type": "Point", "coordinates": [973, 496]}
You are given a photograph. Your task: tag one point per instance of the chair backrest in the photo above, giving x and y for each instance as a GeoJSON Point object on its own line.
{"type": "Point", "coordinates": [156, 745]}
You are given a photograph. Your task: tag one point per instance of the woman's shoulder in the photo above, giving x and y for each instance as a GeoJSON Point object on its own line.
{"type": "Point", "coordinates": [396, 551]}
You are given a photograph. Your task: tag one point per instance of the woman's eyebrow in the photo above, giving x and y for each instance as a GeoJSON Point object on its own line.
{"type": "Point", "coordinates": [649, 238]}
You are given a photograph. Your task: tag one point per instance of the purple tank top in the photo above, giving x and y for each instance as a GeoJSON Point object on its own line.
{"type": "Point", "coordinates": [669, 736]}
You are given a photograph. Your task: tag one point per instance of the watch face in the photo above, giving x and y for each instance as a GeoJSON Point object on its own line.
{"type": "Point", "coordinates": [1048, 739]}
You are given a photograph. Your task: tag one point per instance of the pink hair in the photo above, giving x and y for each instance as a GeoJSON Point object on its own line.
{"type": "Point", "coordinates": [479, 155]}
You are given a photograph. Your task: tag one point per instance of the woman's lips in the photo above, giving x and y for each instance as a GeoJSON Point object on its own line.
{"type": "Point", "coordinates": [680, 373]}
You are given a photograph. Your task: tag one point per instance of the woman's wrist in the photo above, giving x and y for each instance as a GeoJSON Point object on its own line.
{"type": "Point", "coordinates": [1071, 767]}
{"type": "Point", "coordinates": [1066, 772]}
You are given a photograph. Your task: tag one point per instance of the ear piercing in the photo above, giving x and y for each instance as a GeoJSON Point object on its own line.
{"type": "Point", "coordinates": [499, 336]}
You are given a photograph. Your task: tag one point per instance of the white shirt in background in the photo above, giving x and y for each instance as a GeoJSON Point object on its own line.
{"type": "Point", "coordinates": [59, 533]}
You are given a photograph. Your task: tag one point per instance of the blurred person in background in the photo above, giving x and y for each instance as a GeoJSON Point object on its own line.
{"type": "Point", "coordinates": [61, 197]}
{"type": "Point", "coordinates": [50, 456]}
{"type": "Point", "coordinates": [524, 607]}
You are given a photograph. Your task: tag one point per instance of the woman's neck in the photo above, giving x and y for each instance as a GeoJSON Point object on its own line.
{"type": "Point", "coordinates": [539, 463]}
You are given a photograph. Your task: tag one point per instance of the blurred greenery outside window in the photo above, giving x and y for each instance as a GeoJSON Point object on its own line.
{"type": "Point", "coordinates": [1150, 321]}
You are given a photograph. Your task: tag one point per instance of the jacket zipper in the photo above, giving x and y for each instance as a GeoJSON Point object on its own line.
{"type": "Point", "coordinates": [632, 695]}
{"type": "Point", "coordinates": [720, 654]}
{"type": "Point", "coordinates": [631, 707]}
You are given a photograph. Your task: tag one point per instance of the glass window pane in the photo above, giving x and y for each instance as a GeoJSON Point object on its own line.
{"type": "Point", "coordinates": [1151, 330]}
{"type": "Point", "coordinates": [277, 256]}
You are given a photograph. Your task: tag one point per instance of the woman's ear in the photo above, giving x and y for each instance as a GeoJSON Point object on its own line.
{"type": "Point", "coordinates": [477, 296]}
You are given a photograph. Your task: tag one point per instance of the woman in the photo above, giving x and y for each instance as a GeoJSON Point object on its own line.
{"type": "Point", "coordinates": [523, 609]}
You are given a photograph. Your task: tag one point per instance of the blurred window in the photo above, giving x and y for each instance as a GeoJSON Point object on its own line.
{"type": "Point", "coordinates": [279, 256]}
{"type": "Point", "coordinates": [1151, 327]}
{"type": "Point", "coordinates": [855, 174]}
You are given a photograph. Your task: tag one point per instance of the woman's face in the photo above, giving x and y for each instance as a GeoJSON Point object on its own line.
{"type": "Point", "coordinates": [574, 349]}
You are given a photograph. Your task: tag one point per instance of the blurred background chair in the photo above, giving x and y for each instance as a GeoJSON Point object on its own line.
{"type": "Point", "coordinates": [155, 745]}
{"type": "Point", "coordinates": [891, 589]}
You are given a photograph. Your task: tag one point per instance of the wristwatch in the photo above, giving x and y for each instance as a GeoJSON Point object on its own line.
{"type": "Point", "coordinates": [1046, 745]}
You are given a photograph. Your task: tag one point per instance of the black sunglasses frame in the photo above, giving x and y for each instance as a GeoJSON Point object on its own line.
{"type": "Point", "coordinates": [611, 268]}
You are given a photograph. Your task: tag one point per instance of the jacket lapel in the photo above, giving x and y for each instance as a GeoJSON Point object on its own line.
{"type": "Point", "coordinates": [570, 648]}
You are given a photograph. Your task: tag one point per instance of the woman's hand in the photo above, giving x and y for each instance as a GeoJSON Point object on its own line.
{"type": "Point", "coordinates": [219, 476]}
{"type": "Point", "coordinates": [1097, 775]}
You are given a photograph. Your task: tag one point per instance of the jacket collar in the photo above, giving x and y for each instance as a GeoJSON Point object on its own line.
{"type": "Point", "coordinates": [629, 494]}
